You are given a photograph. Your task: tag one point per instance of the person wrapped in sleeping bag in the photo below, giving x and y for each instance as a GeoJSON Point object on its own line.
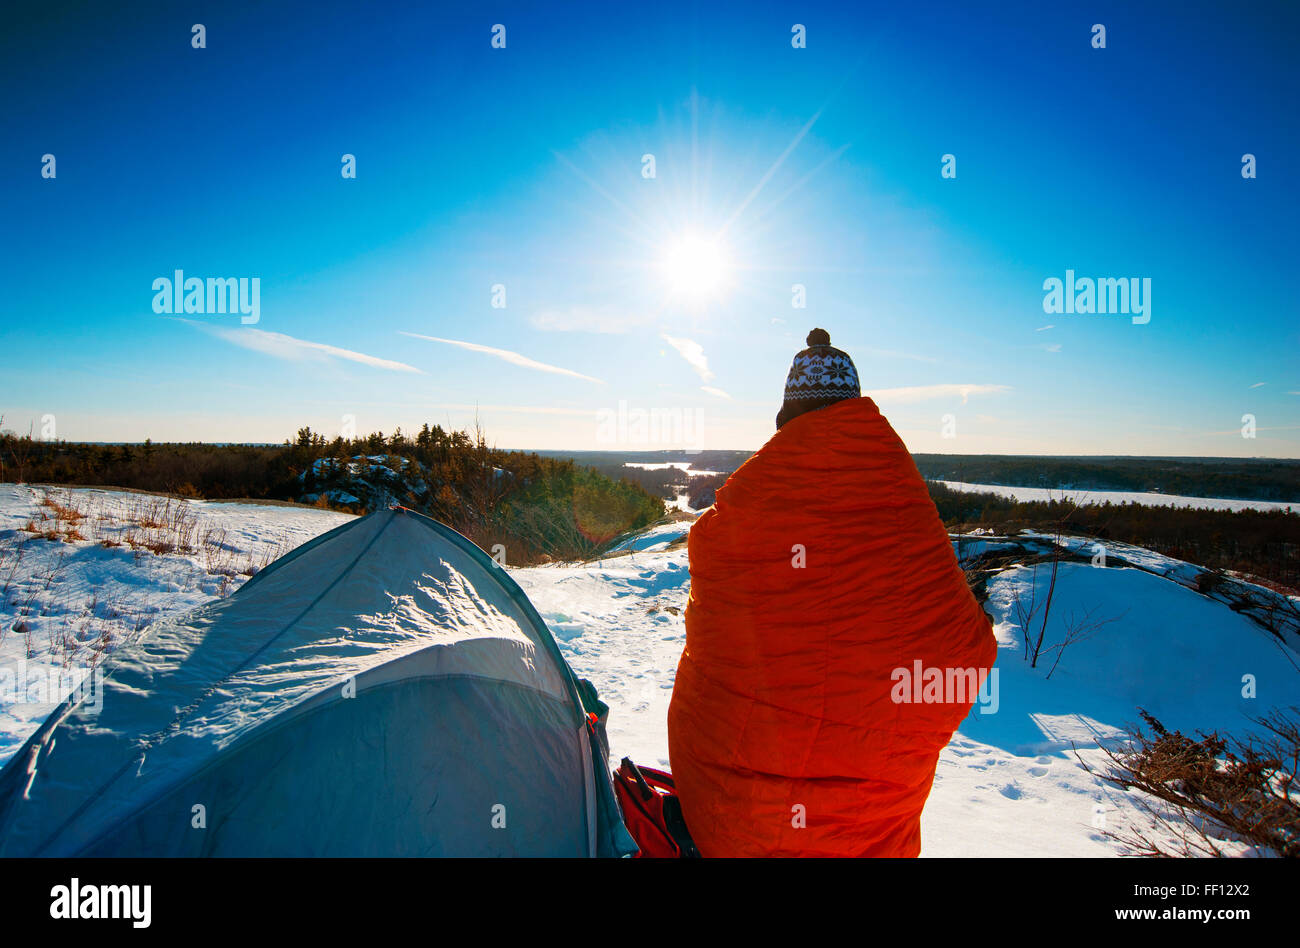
{"type": "Point", "coordinates": [832, 643]}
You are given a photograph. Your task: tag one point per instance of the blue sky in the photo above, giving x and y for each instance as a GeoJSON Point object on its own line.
{"type": "Point", "coordinates": [774, 166]}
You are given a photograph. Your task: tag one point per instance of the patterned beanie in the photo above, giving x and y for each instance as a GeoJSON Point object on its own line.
{"type": "Point", "coordinates": [821, 375]}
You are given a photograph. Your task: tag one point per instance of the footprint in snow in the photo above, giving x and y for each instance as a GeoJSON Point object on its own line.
{"type": "Point", "coordinates": [564, 628]}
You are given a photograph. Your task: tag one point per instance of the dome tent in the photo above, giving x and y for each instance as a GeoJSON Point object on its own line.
{"type": "Point", "coordinates": [383, 690]}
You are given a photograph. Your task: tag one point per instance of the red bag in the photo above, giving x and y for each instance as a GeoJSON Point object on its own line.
{"type": "Point", "coordinates": [652, 813]}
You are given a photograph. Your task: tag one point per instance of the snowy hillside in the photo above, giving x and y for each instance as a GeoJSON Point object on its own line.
{"type": "Point", "coordinates": [1007, 785]}
{"type": "Point", "coordinates": [81, 571]}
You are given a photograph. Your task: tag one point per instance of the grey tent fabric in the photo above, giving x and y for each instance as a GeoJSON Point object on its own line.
{"type": "Point", "coordinates": [384, 690]}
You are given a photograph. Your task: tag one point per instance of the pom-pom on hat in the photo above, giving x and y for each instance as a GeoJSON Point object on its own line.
{"type": "Point", "coordinates": [820, 375]}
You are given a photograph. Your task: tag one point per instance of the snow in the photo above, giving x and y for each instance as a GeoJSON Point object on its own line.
{"type": "Point", "coordinates": [1170, 650]}
{"type": "Point", "coordinates": [684, 466]}
{"type": "Point", "coordinates": [1008, 784]}
{"type": "Point", "coordinates": [653, 538]}
{"type": "Point", "coordinates": [621, 625]}
{"type": "Point", "coordinates": [64, 603]}
{"type": "Point", "coordinates": [1166, 566]}
{"type": "Point", "coordinates": [681, 502]}
{"type": "Point", "coordinates": [1118, 497]}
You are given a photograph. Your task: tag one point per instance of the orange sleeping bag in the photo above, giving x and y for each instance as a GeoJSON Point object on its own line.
{"type": "Point", "coordinates": [822, 576]}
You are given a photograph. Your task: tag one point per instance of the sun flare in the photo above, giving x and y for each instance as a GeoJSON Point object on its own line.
{"type": "Point", "coordinates": [696, 269]}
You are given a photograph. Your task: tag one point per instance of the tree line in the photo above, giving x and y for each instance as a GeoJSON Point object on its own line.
{"type": "Point", "coordinates": [1231, 478]}
{"type": "Point", "coordinates": [534, 507]}
{"type": "Point", "coordinates": [1262, 543]}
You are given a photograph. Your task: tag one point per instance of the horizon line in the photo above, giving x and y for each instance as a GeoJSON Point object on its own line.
{"type": "Point", "coordinates": [685, 450]}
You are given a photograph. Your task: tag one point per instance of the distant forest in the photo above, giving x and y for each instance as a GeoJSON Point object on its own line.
{"type": "Point", "coordinates": [1228, 478]}
{"type": "Point", "coordinates": [665, 482]}
{"type": "Point", "coordinates": [1232, 478]}
{"type": "Point", "coordinates": [1262, 543]}
{"type": "Point", "coordinates": [570, 505]}
{"type": "Point", "coordinates": [537, 507]}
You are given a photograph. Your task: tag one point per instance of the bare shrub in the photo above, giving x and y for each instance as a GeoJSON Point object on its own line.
{"type": "Point", "coordinates": [12, 552]}
{"type": "Point", "coordinates": [1213, 790]}
{"type": "Point", "coordinates": [1076, 628]}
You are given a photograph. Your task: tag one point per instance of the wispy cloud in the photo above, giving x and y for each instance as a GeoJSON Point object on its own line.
{"type": "Point", "coordinates": [710, 390]}
{"type": "Point", "coordinates": [1045, 328]}
{"type": "Point", "coordinates": [1258, 384]}
{"type": "Point", "coordinates": [292, 349]}
{"type": "Point", "coordinates": [1052, 347]}
{"type": "Point", "coordinates": [693, 353]}
{"type": "Point", "coordinates": [597, 319]}
{"type": "Point", "coordinates": [514, 358]}
{"type": "Point", "coordinates": [922, 393]}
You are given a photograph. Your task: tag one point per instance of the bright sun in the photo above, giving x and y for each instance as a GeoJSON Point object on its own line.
{"type": "Point", "coordinates": [696, 269]}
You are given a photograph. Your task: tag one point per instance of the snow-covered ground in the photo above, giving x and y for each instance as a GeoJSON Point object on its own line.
{"type": "Point", "coordinates": [1007, 785]}
{"type": "Point", "coordinates": [681, 502]}
{"type": "Point", "coordinates": [653, 538]}
{"type": "Point", "coordinates": [64, 603]}
{"type": "Point", "coordinates": [1119, 497]}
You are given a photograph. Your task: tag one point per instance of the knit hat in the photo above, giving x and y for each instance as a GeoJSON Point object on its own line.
{"type": "Point", "coordinates": [820, 375]}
